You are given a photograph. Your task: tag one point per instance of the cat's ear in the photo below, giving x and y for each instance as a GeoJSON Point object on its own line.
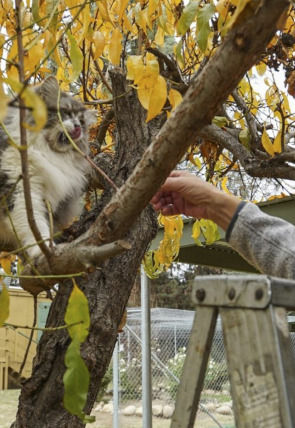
{"type": "Point", "coordinates": [48, 90]}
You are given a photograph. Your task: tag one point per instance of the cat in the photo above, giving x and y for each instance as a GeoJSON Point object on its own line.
{"type": "Point", "coordinates": [57, 171]}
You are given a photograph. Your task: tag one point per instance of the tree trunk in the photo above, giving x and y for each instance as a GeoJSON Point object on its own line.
{"type": "Point", "coordinates": [107, 289]}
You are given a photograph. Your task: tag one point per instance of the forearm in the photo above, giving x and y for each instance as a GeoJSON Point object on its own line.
{"type": "Point", "coordinates": [222, 208]}
{"type": "Point", "coordinates": [266, 242]}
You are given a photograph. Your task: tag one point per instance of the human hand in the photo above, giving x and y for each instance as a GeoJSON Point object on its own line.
{"type": "Point", "coordinates": [184, 193]}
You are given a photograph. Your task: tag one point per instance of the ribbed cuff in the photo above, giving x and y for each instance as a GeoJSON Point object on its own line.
{"type": "Point", "coordinates": [233, 220]}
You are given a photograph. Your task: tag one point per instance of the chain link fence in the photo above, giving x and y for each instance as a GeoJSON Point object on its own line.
{"type": "Point", "coordinates": [170, 331]}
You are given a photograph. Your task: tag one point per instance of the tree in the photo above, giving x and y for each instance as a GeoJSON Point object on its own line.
{"type": "Point", "coordinates": [200, 51]}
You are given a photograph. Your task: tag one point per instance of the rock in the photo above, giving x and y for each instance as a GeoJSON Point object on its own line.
{"type": "Point", "coordinates": [108, 408]}
{"type": "Point", "coordinates": [210, 407]}
{"type": "Point", "coordinates": [225, 392]}
{"type": "Point", "coordinates": [224, 410]}
{"type": "Point", "coordinates": [138, 411]}
{"type": "Point", "coordinates": [157, 410]}
{"type": "Point", "coordinates": [99, 407]}
{"type": "Point", "coordinates": [129, 411]}
{"type": "Point", "coordinates": [168, 411]}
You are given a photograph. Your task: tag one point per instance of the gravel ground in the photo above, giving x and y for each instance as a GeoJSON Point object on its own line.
{"type": "Point", "coordinates": [8, 408]}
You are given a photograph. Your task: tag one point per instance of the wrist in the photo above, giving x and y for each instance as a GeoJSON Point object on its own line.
{"type": "Point", "coordinates": [222, 208]}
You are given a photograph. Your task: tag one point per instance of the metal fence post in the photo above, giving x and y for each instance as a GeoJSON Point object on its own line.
{"type": "Point", "coordinates": [116, 385]}
{"type": "Point", "coordinates": [146, 351]}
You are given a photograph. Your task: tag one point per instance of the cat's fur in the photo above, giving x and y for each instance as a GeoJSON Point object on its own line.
{"type": "Point", "coordinates": [57, 171]}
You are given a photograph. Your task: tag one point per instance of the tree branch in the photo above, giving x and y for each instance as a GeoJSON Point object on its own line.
{"type": "Point", "coordinates": [23, 140]}
{"type": "Point", "coordinates": [76, 258]}
{"type": "Point", "coordinates": [248, 116]}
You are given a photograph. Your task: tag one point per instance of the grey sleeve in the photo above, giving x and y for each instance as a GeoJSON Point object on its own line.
{"type": "Point", "coordinates": [266, 242]}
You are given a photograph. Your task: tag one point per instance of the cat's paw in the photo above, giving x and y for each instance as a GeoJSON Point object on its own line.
{"type": "Point", "coordinates": [34, 252]}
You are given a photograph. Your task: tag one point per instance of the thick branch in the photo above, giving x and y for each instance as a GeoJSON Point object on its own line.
{"type": "Point", "coordinates": [268, 167]}
{"type": "Point", "coordinates": [76, 258]}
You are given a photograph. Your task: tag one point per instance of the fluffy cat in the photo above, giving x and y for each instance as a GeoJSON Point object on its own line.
{"type": "Point", "coordinates": [57, 171]}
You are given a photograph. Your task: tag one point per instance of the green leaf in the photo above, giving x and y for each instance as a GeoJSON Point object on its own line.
{"type": "Point", "coordinates": [245, 138]}
{"type": "Point", "coordinates": [196, 232]}
{"type": "Point", "coordinates": [178, 52]}
{"type": "Point", "coordinates": [35, 11]}
{"type": "Point", "coordinates": [210, 231]}
{"type": "Point", "coordinates": [4, 304]}
{"type": "Point", "coordinates": [203, 17]}
{"type": "Point", "coordinates": [76, 57]}
{"type": "Point", "coordinates": [78, 312]}
{"type": "Point", "coordinates": [187, 17]}
{"type": "Point", "coordinates": [76, 382]}
{"type": "Point", "coordinates": [220, 121]}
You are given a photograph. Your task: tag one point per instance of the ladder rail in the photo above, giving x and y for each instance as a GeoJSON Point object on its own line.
{"type": "Point", "coordinates": [193, 374]}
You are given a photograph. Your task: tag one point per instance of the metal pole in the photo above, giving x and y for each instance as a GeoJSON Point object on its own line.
{"type": "Point", "coordinates": [116, 385]}
{"type": "Point", "coordinates": [146, 352]}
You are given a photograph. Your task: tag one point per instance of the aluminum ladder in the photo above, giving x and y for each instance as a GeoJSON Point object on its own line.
{"type": "Point", "coordinates": [261, 363]}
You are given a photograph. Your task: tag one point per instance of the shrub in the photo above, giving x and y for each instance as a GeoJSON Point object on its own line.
{"type": "Point", "coordinates": [216, 373]}
{"type": "Point", "coordinates": [130, 379]}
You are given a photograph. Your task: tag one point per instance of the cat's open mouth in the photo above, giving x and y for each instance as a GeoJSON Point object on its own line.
{"type": "Point", "coordinates": [75, 134]}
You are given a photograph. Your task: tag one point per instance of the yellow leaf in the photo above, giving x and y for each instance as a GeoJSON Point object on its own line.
{"type": "Point", "coordinates": [2, 42]}
{"type": "Point", "coordinates": [32, 60]}
{"type": "Point", "coordinates": [3, 102]}
{"type": "Point", "coordinates": [147, 76]}
{"type": "Point", "coordinates": [153, 6]}
{"type": "Point", "coordinates": [277, 144]}
{"type": "Point", "coordinates": [123, 6]}
{"type": "Point", "coordinates": [139, 18]}
{"type": "Point", "coordinates": [103, 9]}
{"type": "Point", "coordinates": [32, 101]}
{"type": "Point", "coordinates": [267, 144]}
{"type": "Point", "coordinates": [4, 304]}
{"type": "Point", "coordinates": [196, 232]}
{"type": "Point", "coordinates": [144, 95]}
{"type": "Point", "coordinates": [223, 185]}
{"type": "Point", "coordinates": [99, 43]}
{"type": "Point", "coordinates": [127, 23]}
{"type": "Point", "coordinates": [86, 19]}
{"type": "Point", "coordinates": [135, 68]}
{"type": "Point", "coordinates": [115, 47]}
{"type": "Point", "coordinates": [261, 68]}
{"type": "Point", "coordinates": [175, 98]}
{"type": "Point", "coordinates": [5, 263]}
{"type": "Point", "coordinates": [159, 37]}
{"type": "Point", "coordinates": [146, 17]}
{"type": "Point", "coordinates": [157, 99]}
{"type": "Point", "coordinates": [195, 160]}
{"type": "Point", "coordinates": [241, 5]}
{"type": "Point", "coordinates": [210, 231]}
